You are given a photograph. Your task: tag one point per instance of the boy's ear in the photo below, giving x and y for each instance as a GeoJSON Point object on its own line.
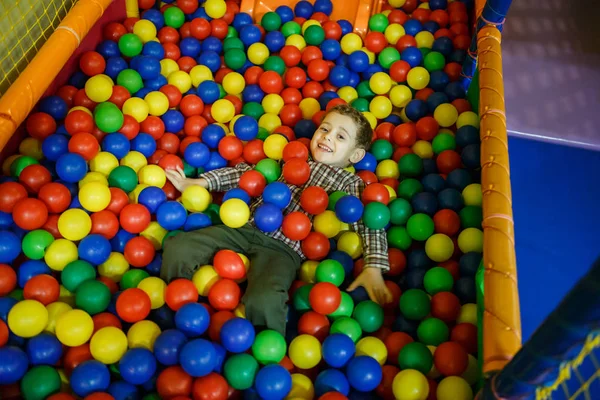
{"type": "Point", "coordinates": [357, 155]}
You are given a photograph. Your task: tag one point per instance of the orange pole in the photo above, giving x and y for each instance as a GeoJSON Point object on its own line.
{"type": "Point", "coordinates": [26, 91]}
{"type": "Point", "coordinates": [501, 318]}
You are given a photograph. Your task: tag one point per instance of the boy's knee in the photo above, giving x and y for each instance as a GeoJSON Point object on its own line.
{"type": "Point", "coordinates": [267, 308]}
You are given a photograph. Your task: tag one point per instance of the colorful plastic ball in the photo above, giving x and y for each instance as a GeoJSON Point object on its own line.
{"type": "Point", "coordinates": [415, 355]}
{"type": "Point", "coordinates": [94, 196]}
{"type": "Point", "coordinates": [99, 88]}
{"type": "Point", "coordinates": [27, 318]}
{"type": "Point", "coordinates": [420, 226]}
{"type": "Point", "coordinates": [108, 117]}
{"type": "Point", "coordinates": [415, 304]}
{"type": "Point", "coordinates": [89, 377]}
{"type": "Point", "coordinates": [40, 382]}
{"type": "Point", "coordinates": [364, 373]}
{"type": "Point", "coordinates": [454, 387]}
{"type": "Point", "coordinates": [240, 371]}
{"type": "Point", "coordinates": [130, 45]}
{"type": "Point", "coordinates": [168, 346]}
{"type": "Point", "coordinates": [71, 167]}
{"type": "Point", "coordinates": [179, 293]}
{"type": "Point", "coordinates": [376, 215]}
{"type": "Point", "coordinates": [215, 8]}
{"type": "Point", "coordinates": [471, 240]}
{"type": "Point", "coordinates": [446, 115]}
{"type": "Point", "coordinates": [305, 351]}
{"type": "Point", "coordinates": [432, 332]}
{"type": "Point", "coordinates": [349, 209]}
{"type": "Point", "coordinates": [14, 364]}
{"type": "Point", "coordinates": [137, 366]}
{"type": "Point", "coordinates": [418, 78]}
{"type": "Point", "coordinates": [92, 296]}
{"type": "Point", "coordinates": [337, 350]}
{"type": "Point", "coordinates": [330, 271]}
{"type": "Point", "coordinates": [192, 319]}
{"type": "Point", "coordinates": [439, 247]}
{"type": "Point", "coordinates": [74, 328]}
{"type": "Point", "coordinates": [410, 384]}
{"type": "Point", "coordinates": [108, 345]}
{"type": "Point", "coordinates": [234, 213]}
{"type": "Point", "coordinates": [237, 335]}
{"type": "Point", "coordinates": [198, 357]}
{"type": "Point", "coordinates": [437, 280]}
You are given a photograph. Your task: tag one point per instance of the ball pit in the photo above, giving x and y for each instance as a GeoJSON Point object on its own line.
{"type": "Point", "coordinates": [89, 206]}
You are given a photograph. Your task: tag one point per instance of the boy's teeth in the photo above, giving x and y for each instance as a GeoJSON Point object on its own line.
{"type": "Point", "coordinates": [325, 148]}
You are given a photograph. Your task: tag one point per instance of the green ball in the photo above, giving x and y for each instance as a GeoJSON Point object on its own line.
{"type": "Point", "coordinates": [345, 309]}
{"type": "Point", "coordinates": [253, 109]}
{"type": "Point", "coordinates": [269, 347]}
{"type": "Point", "coordinates": [92, 296]}
{"type": "Point", "coordinates": [130, 45]}
{"type": "Point", "coordinates": [434, 61]}
{"type": "Point", "coordinates": [408, 188]}
{"type": "Point", "coordinates": [17, 166]}
{"type": "Point", "coordinates": [75, 273]}
{"type": "Point", "coordinates": [189, 171]}
{"type": "Point", "coordinates": [360, 104]}
{"type": "Point", "coordinates": [415, 304]}
{"type": "Point", "coordinates": [417, 356]}
{"type": "Point", "coordinates": [376, 215]}
{"type": "Point", "coordinates": [291, 28]}
{"type": "Point", "coordinates": [231, 33]}
{"type": "Point", "coordinates": [348, 326]}
{"type": "Point", "coordinates": [400, 211]}
{"type": "Point", "coordinates": [35, 243]}
{"type": "Point", "coordinates": [442, 142]}
{"type": "Point", "coordinates": [420, 227]}
{"type": "Point", "coordinates": [433, 332]}
{"type": "Point", "coordinates": [399, 238]}
{"type": "Point", "coordinates": [152, 396]}
{"type": "Point", "coordinates": [382, 149]}
{"type": "Point", "coordinates": [240, 370]}
{"type": "Point", "coordinates": [330, 271]}
{"type": "Point", "coordinates": [388, 56]}
{"type": "Point", "coordinates": [410, 165]}
{"type": "Point", "coordinates": [108, 117]}
{"type": "Point", "coordinates": [271, 21]}
{"type": "Point", "coordinates": [16, 294]}
{"type": "Point", "coordinates": [232, 44]}
{"type": "Point", "coordinates": [369, 315]}
{"type": "Point", "coordinates": [274, 63]}
{"type": "Point", "coordinates": [438, 279]}
{"type": "Point", "coordinates": [124, 178]}
{"type": "Point", "coordinates": [262, 134]}
{"type": "Point", "coordinates": [364, 91]}
{"type": "Point", "coordinates": [213, 213]}
{"type": "Point", "coordinates": [174, 17]}
{"type": "Point", "coordinates": [378, 23]}
{"type": "Point", "coordinates": [132, 278]}
{"type": "Point", "coordinates": [235, 58]}
{"type": "Point", "coordinates": [40, 382]}
{"type": "Point", "coordinates": [300, 298]}
{"type": "Point", "coordinates": [314, 35]}
{"type": "Point", "coordinates": [270, 169]}
{"type": "Point", "coordinates": [222, 92]}
{"type": "Point", "coordinates": [333, 199]}
{"type": "Point", "coordinates": [471, 217]}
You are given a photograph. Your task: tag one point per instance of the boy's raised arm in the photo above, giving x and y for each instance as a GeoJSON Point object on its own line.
{"type": "Point", "coordinates": [224, 179]}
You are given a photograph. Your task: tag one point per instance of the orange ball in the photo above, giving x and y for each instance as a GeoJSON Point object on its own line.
{"type": "Point", "coordinates": [427, 128]}
{"type": "Point", "coordinates": [224, 295]}
{"type": "Point", "coordinates": [296, 225]}
{"type": "Point", "coordinates": [376, 192]}
{"type": "Point", "coordinates": [445, 306]}
{"type": "Point", "coordinates": [447, 222]}
{"type": "Point", "coordinates": [216, 322]}
{"type": "Point", "coordinates": [450, 359]}
{"type": "Point", "coordinates": [394, 344]}
{"type": "Point", "coordinates": [324, 298]}
{"type": "Point", "coordinates": [405, 135]}
{"type": "Point", "coordinates": [105, 319]}
{"type": "Point", "coordinates": [8, 279]}
{"type": "Point", "coordinates": [133, 305]}
{"type": "Point", "coordinates": [316, 246]}
{"type": "Point", "coordinates": [179, 293]}
{"type": "Point", "coordinates": [466, 335]}
{"type": "Point", "coordinates": [172, 382]}
{"type": "Point", "coordinates": [43, 288]}
{"type": "Point", "coordinates": [229, 265]}
{"type": "Point", "coordinates": [314, 324]}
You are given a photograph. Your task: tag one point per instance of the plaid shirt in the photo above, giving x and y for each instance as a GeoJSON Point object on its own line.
{"type": "Point", "coordinates": [325, 176]}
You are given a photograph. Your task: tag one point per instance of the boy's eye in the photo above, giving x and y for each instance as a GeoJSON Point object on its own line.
{"type": "Point", "coordinates": [324, 129]}
{"type": "Point", "coordinates": [340, 137]}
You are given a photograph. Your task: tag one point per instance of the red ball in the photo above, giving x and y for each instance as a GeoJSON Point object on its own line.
{"type": "Point", "coordinates": [194, 125]}
{"type": "Point", "coordinates": [270, 82]}
{"type": "Point", "coordinates": [453, 267]}
{"type": "Point", "coordinates": [153, 126]}
{"type": "Point", "coordinates": [173, 94]}
{"type": "Point", "coordinates": [324, 298]}
{"type": "Point", "coordinates": [40, 125]}
{"type": "Point", "coordinates": [447, 222]}
{"type": "Point", "coordinates": [296, 225]}
{"type": "Point", "coordinates": [118, 200]}
{"type": "Point", "coordinates": [427, 128]}
{"type": "Point", "coordinates": [168, 34]}
{"type": "Point", "coordinates": [133, 305]}
{"type": "Point", "coordinates": [295, 149]}
{"type": "Point", "coordinates": [216, 322]}
{"type": "Point", "coordinates": [210, 387]}
{"type": "Point", "coordinates": [314, 324]}
{"type": "Point", "coordinates": [376, 192]}
{"type": "Point", "coordinates": [34, 177]}
{"type": "Point", "coordinates": [99, 396]}
{"type": "Point", "coordinates": [333, 30]}
{"type": "Point", "coordinates": [228, 264]}
{"type": "Point", "coordinates": [405, 135]}
{"type": "Point", "coordinates": [440, 17]}
{"type": "Point", "coordinates": [375, 42]}
{"type": "Point", "coordinates": [318, 69]}
{"type": "Point", "coordinates": [462, 105]}
{"type": "Point", "coordinates": [139, 251]}
{"type": "Point", "coordinates": [311, 53]}
{"type": "Point", "coordinates": [421, 14]}
{"type": "Point", "coordinates": [114, 30]}
{"type": "Point", "coordinates": [43, 288]}
{"type": "Point", "coordinates": [200, 28]}
{"type": "Point", "coordinates": [81, 99]}
{"type": "Point", "coordinates": [253, 151]}
{"type": "Point", "coordinates": [30, 214]}
{"type": "Point", "coordinates": [75, 356]}
{"type": "Point", "coordinates": [92, 63]}
{"type": "Point", "coordinates": [119, 96]}
{"type": "Point", "coordinates": [170, 161]}
{"type": "Point", "coordinates": [405, 42]}
{"type": "Point", "coordinates": [315, 246]}
{"type": "Point", "coordinates": [295, 77]}
{"type": "Point", "coordinates": [78, 121]}
{"type": "Point", "coordinates": [367, 177]}
{"type": "Point", "coordinates": [397, 262]}
{"type": "Point", "coordinates": [51, 226]}
{"type": "Point", "coordinates": [384, 131]}
{"type": "Point", "coordinates": [332, 396]}
{"type": "Point", "coordinates": [399, 71]}
{"type": "Point", "coordinates": [84, 144]}
{"type": "Point", "coordinates": [313, 89]}
{"type": "Point", "coordinates": [173, 381]}
{"type": "Point", "coordinates": [394, 344]}
{"type": "Point", "coordinates": [191, 105]}
{"type": "Point", "coordinates": [447, 161]}
{"type": "Point", "coordinates": [224, 295]}
{"type": "Point", "coordinates": [8, 279]}
{"type": "Point", "coordinates": [398, 17]}
{"type": "Point", "coordinates": [400, 152]}
{"type": "Point", "coordinates": [179, 293]}
{"type": "Point", "coordinates": [296, 171]}
{"type": "Point", "coordinates": [466, 335]}
{"type": "Point", "coordinates": [105, 319]}
{"type": "Point", "coordinates": [230, 148]}
{"type": "Point", "coordinates": [134, 218]}
{"type": "Point", "coordinates": [252, 75]}
{"type": "Point", "coordinates": [445, 306]}
{"type": "Point", "coordinates": [450, 359]}
{"type": "Point", "coordinates": [314, 200]}
{"type": "Point", "coordinates": [186, 63]}
{"type": "Point", "coordinates": [384, 389]}
{"type": "Point", "coordinates": [285, 131]}
{"type": "Point", "coordinates": [253, 182]}
{"type": "Point", "coordinates": [67, 93]}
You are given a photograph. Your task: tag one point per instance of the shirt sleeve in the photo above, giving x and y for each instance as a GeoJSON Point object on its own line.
{"type": "Point", "coordinates": [224, 179]}
{"type": "Point", "coordinates": [375, 247]}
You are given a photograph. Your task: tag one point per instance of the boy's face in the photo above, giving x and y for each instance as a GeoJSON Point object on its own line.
{"type": "Point", "coordinates": [334, 142]}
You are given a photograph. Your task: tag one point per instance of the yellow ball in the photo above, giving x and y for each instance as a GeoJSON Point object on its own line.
{"type": "Point", "coordinates": [473, 195]}
{"type": "Point", "coordinates": [155, 289]}
{"type": "Point", "coordinates": [387, 169]}
{"type": "Point", "coordinates": [400, 95]}
{"type": "Point", "coordinates": [196, 198]}
{"type": "Point", "coordinates": [181, 80]}
{"type": "Point", "coordinates": [302, 388]}
{"type": "Point", "coordinates": [258, 53]}
{"type": "Point", "coordinates": [467, 118]}
{"type": "Point", "coordinates": [8, 162]}
{"type": "Point", "coordinates": [234, 213]}
{"type": "Point", "coordinates": [425, 6]}
{"type": "Point", "coordinates": [99, 88]}
{"type": "Point", "coordinates": [439, 247]}
{"type": "Point", "coordinates": [269, 121]}
{"type": "Point", "coordinates": [471, 374]}
{"type": "Point", "coordinates": [55, 311]}
{"type": "Point", "coordinates": [215, 8]}
{"type": "Point", "coordinates": [94, 196]}
{"type": "Point", "coordinates": [394, 32]}
{"type": "Point", "coordinates": [351, 169]}
{"type": "Point", "coordinates": [74, 328]}
{"type": "Point", "coordinates": [372, 347]}
{"type": "Point", "coordinates": [327, 224]}
{"type": "Point", "coordinates": [97, 177]}
{"type": "Point", "coordinates": [66, 297]}
{"type": "Point", "coordinates": [396, 3]}
{"type": "Point", "coordinates": [380, 83]}
{"type": "Point", "coordinates": [309, 107]}
{"type": "Point", "coordinates": [134, 160]}
{"type": "Point", "coordinates": [380, 107]}
{"type": "Point", "coordinates": [433, 372]}
{"type": "Point", "coordinates": [445, 114]}
{"type": "Point", "coordinates": [424, 40]}
{"type": "Point", "coordinates": [410, 384]}
{"type": "Point", "coordinates": [470, 240]}
{"type": "Point", "coordinates": [273, 146]}
{"type": "Point", "coordinates": [348, 94]}
{"type": "Point", "coordinates": [143, 334]}
{"type": "Point", "coordinates": [305, 351]}
{"type": "Point", "coordinates": [201, 73]}
{"type": "Point", "coordinates": [62, 251]}
{"type": "Point", "coordinates": [371, 118]}
{"type": "Point", "coordinates": [108, 345]}
{"type": "Point", "coordinates": [74, 224]}
{"type": "Point", "coordinates": [308, 270]}
{"type": "Point", "coordinates": [350, 43]}
{"type": "Point", "coordinates": [137, 108]}
{"type": "Point", "coordinates": [468, 313]}
{"type": "Point", "coordinates": [240, 311]}
{"type": "Point", "coordinates": [104, 162]}
{"type": "Point", "coordinates": [223, 111]}
{"type": "Point", "coordinates": [418, 78]}
{"type": "Point", "coordinates": [135, 193]}
{"type": "Point", "coordinates": [31, 147]}
{"type": "Point", "coordinates": [168, 66]}
{"type": "Point", "coordinates": [273, 103]}
{"type": "Point", "coordinates": [308, 24]}
{"type": "Point", "coordinates": [403, 116]}
{"type": "Point", "coordinates": [454, 388]}
{"type": "Point", "coordinates": [158, 103]}
{"type": "Point", "coordinates": [350, 243]}
{"type": "Point", "coordinates": [423, 149]}
{"type": "Point", "coordinates": [296, 41]}
{"type": "Point", "coordinates": [27, 318]}
{"type": "Point", "coordinates": [152, 175]}
{"type": "Point", "coordinates": [370, 54]}
{"type": "Point", "coordinates": [145, 30]}
{"type": "Point", "coordinates": [155, 234]}
{"type": "Point", "coordinates": [114, 267]}
{"type": "Point", "coordinates": [234, 83]}
{"type": "Point", "coordinates": [80, 108]}
{"type": "Point", "coordinates": [204, 278]}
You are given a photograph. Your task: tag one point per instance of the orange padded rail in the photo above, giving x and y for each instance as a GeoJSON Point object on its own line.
{"type": "Point", "coordinates": [501, 319]}
{"type": "Point", "coordinates": [25, 92]}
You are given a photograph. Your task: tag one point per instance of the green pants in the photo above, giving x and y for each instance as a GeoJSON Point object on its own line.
{"type": "Point", "coordinates": [273, 267]}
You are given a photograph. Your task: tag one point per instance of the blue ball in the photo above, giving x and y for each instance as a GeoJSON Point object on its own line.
{"type": "Point", "coordinates": [469, 263]}
{"type": "Point", "coordinates": [412, 27]}
{"type": "Point", "coordinates": [173, 120]}
{"type": "Point", "coordinates": [119, 241]}
{"type": "Point", "coordinates": [305, 129]}
{"type": "Point", "coordinates": [364, 373]}
{"type": "Point", "coordinates": [152, 84]}
{"type": "Point", "coordinates": [221, 355]}
{"type": "Point", "coordinates": [326, 97]}
{"type": "Point", "coordinates": [358, 61]}
{"type": "Point", "coordinates": [451, 198]}
{"type": "Point", "coordinates": [250, 34]}
{"type": "Point", "coordinates": [6, 303]}
{"type": "Point", "coordinates": [412, 56]}
{"type": "Point", "coordinates": [212, 135]}
{"type": "Point", "coordinates": [198, 357]}
{"type": "Point", "coordinates": [438, 4]}
{"type": "Point", "coordinates": [465, 289]}
{"type": "Point", "coordinates": [55, 146]}
{"type": "Point", "coordinates": [6, 220]}
{"type": "Point", "coordinates": [416, 109]}
{"type": "Point", "coordinates": [196, 221]}
{"type": "Point", "coordinates": [458, 56]}
{"type": "Point", "coordinates": [245, 128]}
{"type": "Point", "coordinates": [466, 135]}
{"type": "Point", "coordinates": [471, 156]}
{"type": "Point", "coordinates": [331, 49]}
{"type": "Point", "coordinates": [277, 193]}
{"type": "Point", "coordinates": [30, 268]}
{"type": "Point", "coordinates": [303, 9]}
{"type": "Point", "coordinates": [114, 65]}
{"type": "Point", "coordinates": [154, 49]}
{"type": "Point", "coordinates": [274, 41]}
{"type": "Point", "coordinates": [342, 60]}
{"type": "Point", "coordinates": [252, 93]}
{"type": "Point", "coordinates": [324, 6]}
{"type": "Point", "coordinates": [89, 377]}
{"type": "Point", "coordinates": [171, 215]}
{"type": "Point", "coordinates": [190, 47]}
{"type": "Point", "coordinates": [455, 90]}
{"type": "Point", "coordinates": [273, 382]}
{"type": "Point", "coordinates": [431, 26]}
{"type": "Point", "coordinates": [413, 278]}
{"type": "Point", "coordinates": [55, 106]}
{"type": "Point", "coordinates": [433, 183]}
{"type": "Point", "coordinates": [154, 269]}
{"type": "Point", "coordinates": [242, 19]}
{"type": "Point", "coordinates": [349, 209]}
{"type": "Point", "coordinates": [438, 80]}
{"type": "Point", "coordinates": [155, 16]}
{"type": "Point", "coordinates": [151, 198]}
{"type": "Point", "coordinates": [435, 99]}
{"type": "Point", "coordinates": [359, 294]}
{"type": "Point", "coordinates": [346, 26]}
{"type": "Point", "coordinates": [10, 247]}
{"type": "Point", "coordinates": [196, 154]}
{"type": "Point", "coordinates": [212, 44]}
{"type": "Point", "coordinates": [425, 202]}
{"type": "Point", "coordinates": [149, 67]}
{"type": "Point", "coordinates": [121, 390]}
{"type": "Point", "coordinates": [285, 13]}
{"type": "Point", "coordinates": [338, 349]}
{"type": "Point", "coordinates": [343, 258]}
{"type": "Point", "coordinates": [144, 143]}
{"type": "Point", "coordinates": [215, 161]}
{"type": "Point", "coordinates": [331, 380]}
{"type": "Point", "coordinates": [407, 326]}
{"type": "Point", "coordinates": [368, 163]}
{"type": "Point", "coordinates": [372, 70]}
{"type": "Point", "coordinates": [192, 319]}
{"type": "Point", "coordinates": [44, 349]}
{"type": "Point", "coordinates": [418, 259]}
{"type": "Point", "coordinates": [268, 217]}
{"type": "Point", "coordinates": [201, 13]}
{"type": "Point", "coordinates": [78, 79]}
{"type": "Point", "coordinates": [137, 366]}
{"type": "Point", "coordinates": [13, 364]}
{"type": "Point", "coordinates": [209, 92]}
{"type": "Point", "coordinates": [94, 249]}
{"type": "Point", "coordinates": [339, 76]}
{"type": "Point", "coordinates": [393, 119]}
{"type": "Point", "coordinates": [210, 59]}
{"type": "Point", "coordinates": [116, 144]}
{"type": "Point", "coordinates": [460, 178]}
{"type": "Point", "coordinates": [71, 167]}
{"type": "Point", "coordinates": [237, 335]}
{"type": "Point", "coordinates": [237, 193]}
{"type": "Point", "coordinates": [443, 45]}
{"type": "Point", "coordinates": [108, 48]}
{"type": "Point", "coordinates": [168, 345]}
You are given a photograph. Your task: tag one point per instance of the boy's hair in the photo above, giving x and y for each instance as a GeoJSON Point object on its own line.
{"type": "Point", "coordinates": [364, 132]}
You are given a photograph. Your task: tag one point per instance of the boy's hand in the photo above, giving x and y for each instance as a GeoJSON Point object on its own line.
{"type": "Point", "coordinates": [372, 280]}
{"type": "Point", "coordinates": [180, 181]}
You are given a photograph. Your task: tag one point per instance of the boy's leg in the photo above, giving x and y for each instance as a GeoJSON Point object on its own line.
{"type": "Point", "coordinates": [186, 251]}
